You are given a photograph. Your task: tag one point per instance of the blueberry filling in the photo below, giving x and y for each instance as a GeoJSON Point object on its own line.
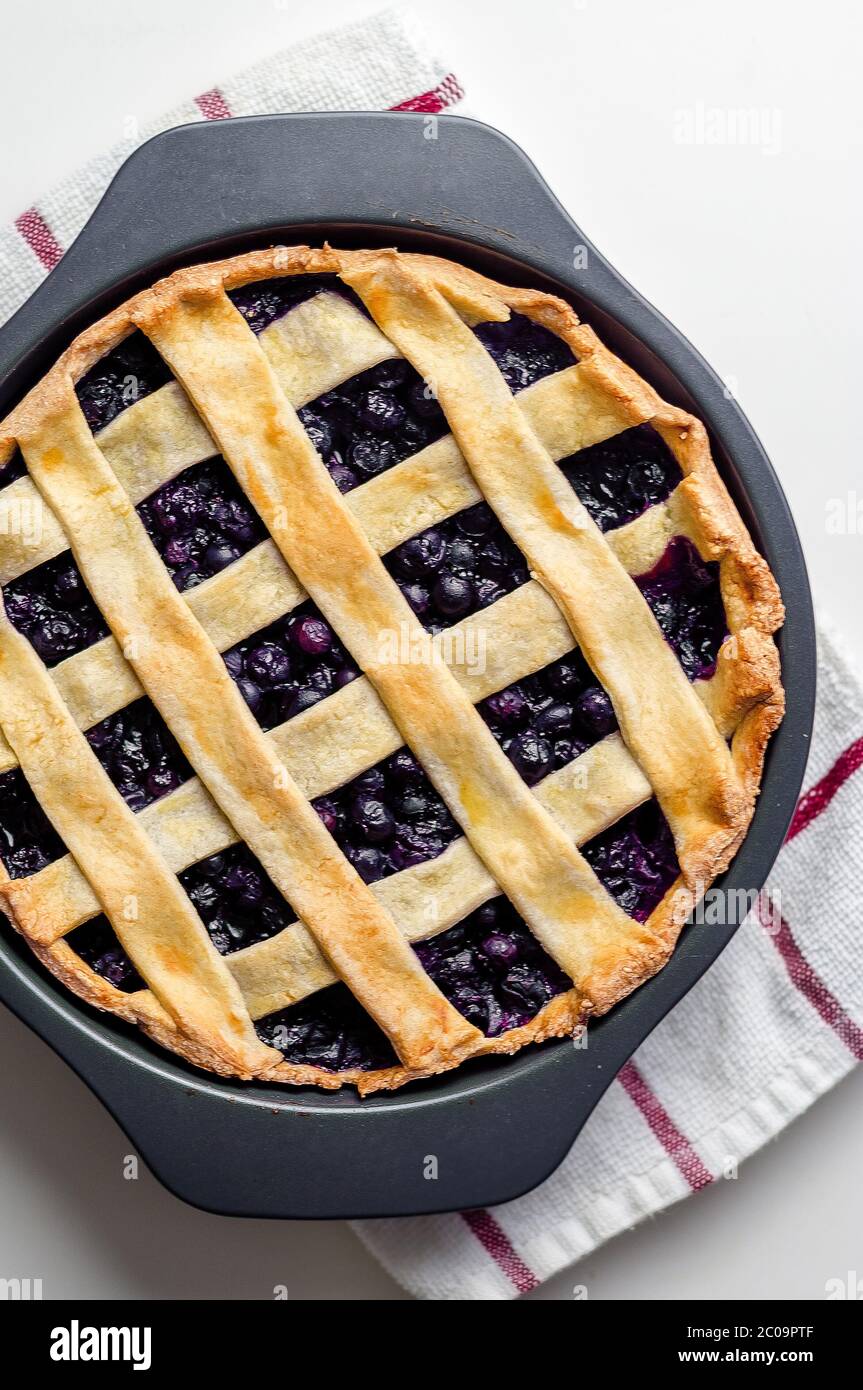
{"type": "Point", "coordinates": [372, 422]}
{"type": "Point", "coordinates": [365, 425]}
{"type": "Point", "coordinates": [377, 419]}
{"type": "Point", "coordinates": [635, 860]}
{"type": "Point", "coordinates": [289, 666]}
{"type": "Point", "coordinates": [330, 1030]}
{"type": "Point", "coordinates": [686, 598]}
{"type": "Point", "coordinates": [53, 608]}
{"type": "Point", "coordinates": [468, 561]}
{"type": "Point", "coordinates": [236, 898]}
{"type": "Point", "coordinates": [134, 369]}
{"type": "Point", "coordinates": [139, 754]}
{"type": "Point", "coordinates": [13, 470]}
{"type": "Point", "coordinates": [524, 351]}
{"type": "Point", "coordinates": [451, 570]}
{"type": "Point", "coordinates": [200, 522]}
{"type": "Point", "coordinates": [389, 818]}
{"type": "Point", "coordinates": [542, 721]}
{"type": "Point", "coordinates": [545, 720]}
{"type": "Point", "coordinates": [141, 757]}
{"type": "Point", "coordinates": [28, 841]}
{"type": "Point", "coordinates": [264, 301]}
{"type": "Point", "coordinates": [620, 478]}
{"type": "Point", "coordinates": [98, 946]}
{"type": "Point", "coordinates": [490, 966]}
{"type": "Point", "coordinates": [128, 374]}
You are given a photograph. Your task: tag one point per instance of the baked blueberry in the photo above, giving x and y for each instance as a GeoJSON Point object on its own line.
{"type": "Point", "coordinates": [531, 755]}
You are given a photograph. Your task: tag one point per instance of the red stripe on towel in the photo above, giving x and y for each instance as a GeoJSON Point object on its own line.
{"type": "Point", "coordinates": [804, 978]}
{"type": "Point", "coordinates": [446, 92]}
{"type": "Point", "coordinates": [666, 1131]}
{"type": "Point", "coordinates": [497, 1243]}
{"type": "Point", "coordinates": [39, 237]}
{"type": "Point", "coordinates": [818, 798]}
{"type": "Point", "coordinates": [212, 105]}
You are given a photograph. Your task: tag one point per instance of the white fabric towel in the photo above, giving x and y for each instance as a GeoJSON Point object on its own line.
{"type": "Point", "coordinates": [775, 1023]}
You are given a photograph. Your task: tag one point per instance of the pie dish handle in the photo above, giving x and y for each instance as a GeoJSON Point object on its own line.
{"type": "Point", "coordinates": [267, 1152]}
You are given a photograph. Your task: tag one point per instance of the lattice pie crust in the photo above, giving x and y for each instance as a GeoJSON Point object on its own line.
{"type": "Point", "coordinates": [697, 747]}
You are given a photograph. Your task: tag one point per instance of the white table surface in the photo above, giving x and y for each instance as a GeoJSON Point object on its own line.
{"type": "Point", "coordinates": [748, 249]}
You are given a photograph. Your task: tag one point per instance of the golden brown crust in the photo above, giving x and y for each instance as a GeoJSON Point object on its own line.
{"type": "Point", "coordinates": [745, 697]}
{"type": "Point", "coordinates": [563, 1016]}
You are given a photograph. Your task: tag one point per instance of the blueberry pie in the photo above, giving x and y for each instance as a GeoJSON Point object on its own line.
{"type": "Point", "coordinates": [384, 668]}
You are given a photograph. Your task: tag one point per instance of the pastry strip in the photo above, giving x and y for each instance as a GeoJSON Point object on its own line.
{"type": "Point", "coordinates": [188, 682]}
{"type": "Point", "coordinates": [324, 747]}
{"type": "Point", "coordinates": [661, 718]}
{"type": "Point", "coordinates": [214, 355]}
{"type": "Point", "coordinates": [585, 797]}
{"type": "Point", "coordinates": [340, 737]}
{"type": "Point", "coordinates": [160, 435]}
{"type": "Point", "coordinates": [419, 492]}
{"type": "Point", "coordinates": [151, 914]}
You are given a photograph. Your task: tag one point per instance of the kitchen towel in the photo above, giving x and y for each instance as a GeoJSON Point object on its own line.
{"type": "Point", "coordinates": [774, 1024]}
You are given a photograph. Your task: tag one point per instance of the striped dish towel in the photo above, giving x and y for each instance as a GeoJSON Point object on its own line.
{"type": "Point", "coordinates": [773, 1025]}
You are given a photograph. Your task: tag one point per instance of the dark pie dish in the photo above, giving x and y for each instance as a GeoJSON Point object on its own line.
{"type": "Point", "coordinates": [388, 819]}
